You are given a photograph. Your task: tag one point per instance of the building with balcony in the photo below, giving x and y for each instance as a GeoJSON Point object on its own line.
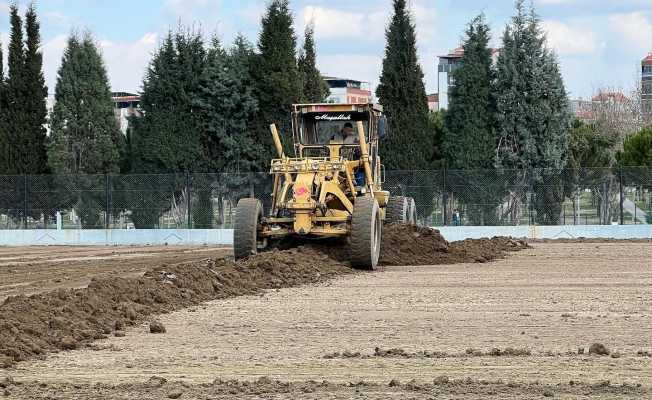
{"type": "Point", "coordinates": [448, 63]}
{"type": "Point", "coordinates": [344, 90]}
{"type": "Point", "coordinates": [646, 85]}
{"type": "Point", "coordinates": [125, 105]}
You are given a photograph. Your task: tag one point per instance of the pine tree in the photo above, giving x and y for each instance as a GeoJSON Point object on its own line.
{"type": "Point", "coordinates": [33, 143]}
{"type": "Point", "coordinates": [227, 109]}
{"type": "Point", "coordinates": [85, 138]}
{"type": "Point", "coordinates": [278, 83]}
{"type": "Point", "coordinates": [168, 139]}
{"type": "Point", "coordinates": [533, 117]}
{"type": "Point", "coordinates": [403, 95]}
{"type": "Point", "coordinates": [315, 88]}
{"type": "Point", "coordinates": [532, 112]}
{"type": "Point", "coordinates": [469, 140]}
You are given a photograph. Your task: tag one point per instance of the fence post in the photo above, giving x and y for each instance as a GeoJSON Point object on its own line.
{"type": "Point", "coordinates": [445, 197]}
{"type": "Point", "coordinates": [107, 194]}
{"type": "Point", "coordinates": [622, 196]}
{"type": "Point", "coordinates": [25, 202]}
{"type": "Point", "coordinates": [189, 199]}
{"type": "Point", "coordinates": [532, 199]}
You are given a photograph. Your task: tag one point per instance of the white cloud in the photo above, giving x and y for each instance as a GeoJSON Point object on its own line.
{"type": "Point", "coordinates": [362, 67]}
{"type": "Point", "coordinates": [184, 6]}
{"type": "Point", "coordinates": [253, 13]}
{"type": "Point", "coordinates": [57, 18]}
{"type": "Point", "coordinates": [554, 2]}
{"type": "Point", "coordinates": [52, 53]}
{"type": "Point", "coordinates": [331, 23]}
{"type": "Point", "coordinates": [635, 28]}
{"type": "Point", "coordinates": [126, 62]}
{"type": "Point", "coordinates": [4, 7]}
{"type": "Point", "coordinates": [349, 28]}
{"type": "Point", "coordinates": [571, 40]}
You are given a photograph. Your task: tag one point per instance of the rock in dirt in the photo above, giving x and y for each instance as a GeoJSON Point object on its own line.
{"type": "Point", "coordinates": [118, 325]}
{"type": "Point", "coordinates": [6, 362]}
{"type": "Point", "coordinates": [156, 327]}
{"type": "Point", "coordinates": [68, 343]}
{"type": "Point", "coordinates": [175, 394]}
{"type": "Point", "coordinates": [119, 334]}
{"type": "Point", "coordinates": [599, 349]}
{"type": "Point", "coordinates": [156, 381]}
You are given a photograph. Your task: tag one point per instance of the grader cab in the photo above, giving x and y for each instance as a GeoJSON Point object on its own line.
{"type": "Point", "coordinates": [330, 188]}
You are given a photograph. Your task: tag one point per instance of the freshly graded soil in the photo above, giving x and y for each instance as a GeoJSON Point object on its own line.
{"type": "Point", "coordinates": [459, 331]}
{"type": "Point", "coordinates": [66, 319]}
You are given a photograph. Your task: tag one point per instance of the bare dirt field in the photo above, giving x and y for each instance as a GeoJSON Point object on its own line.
{"type": "Point", "coordinates": [30, 270]}
{"type": "Point", "coordinates": [515, 328]}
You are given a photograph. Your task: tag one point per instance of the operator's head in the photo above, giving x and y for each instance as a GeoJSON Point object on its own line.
{"type": "Point", "coordinates": [348, 129]}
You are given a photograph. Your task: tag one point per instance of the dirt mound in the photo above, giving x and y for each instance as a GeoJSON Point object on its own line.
{"type": "Point", "coordinates": [413, 245]}
{"type": "Point", "coordinates": [66, 319]}
{"type": "Point", "coordinates": [440, 387]}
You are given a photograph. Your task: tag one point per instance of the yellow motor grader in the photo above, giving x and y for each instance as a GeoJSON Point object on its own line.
{"type": "Point", "coordinates": [331, 188]}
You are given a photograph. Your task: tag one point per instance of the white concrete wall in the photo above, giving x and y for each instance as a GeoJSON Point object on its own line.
{"type": "Point", "coordinates": [224, 237]}
{"type": "Point", "coordinates": [116, 237]}
{"type": "Point", "coordinates": [454, 233]}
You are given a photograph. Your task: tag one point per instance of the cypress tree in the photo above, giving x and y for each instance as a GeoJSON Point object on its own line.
{"type": "Point", "coordinates": [277, 78]}
{"type": "Point", "coordinates": [468, 139]}
{"type": "Point", "coordinates": [3, 106]}
{"type": "Point", "coordinates": [14, 94]}
{"type": "Point", "coordinates": [24, 96]}
{"type": "Point", "coordinates": [403, 95]}
{"type": "Point", "coordinates": [315, 88]}
{"type": "Point", "coordinates": [34, 160]}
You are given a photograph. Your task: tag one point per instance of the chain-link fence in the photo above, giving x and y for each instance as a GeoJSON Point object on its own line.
{"type": "Point", "coordinates": [444, 197]}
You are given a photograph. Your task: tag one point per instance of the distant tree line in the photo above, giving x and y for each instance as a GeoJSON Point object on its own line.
{"type": "Point", "coordinates": [207, 107]}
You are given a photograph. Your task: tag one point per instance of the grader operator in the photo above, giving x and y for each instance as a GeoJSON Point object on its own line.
{"type": "Point", "coordinates": [330, 188]}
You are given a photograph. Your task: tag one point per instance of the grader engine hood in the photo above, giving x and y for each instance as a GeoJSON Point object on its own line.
{"type": "Point", "coordinates": [302, 202]}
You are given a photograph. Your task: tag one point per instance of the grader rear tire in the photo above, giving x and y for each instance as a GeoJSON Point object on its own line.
{"type": "Point", "coordinates": [366, 233]}
{"type": "Point", "coordinates": [248, 215]}
{"type": "Point", "coordinates": [411, 212]}
{"type": "Point", "coordinates": [397, 210]}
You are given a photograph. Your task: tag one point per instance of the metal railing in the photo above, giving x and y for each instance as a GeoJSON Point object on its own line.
{"type": "Point", "coordinates": [601, 196]}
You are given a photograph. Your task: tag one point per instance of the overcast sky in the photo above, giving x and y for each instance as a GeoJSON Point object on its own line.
{"type": "Point", "coordinates": [600, 43]}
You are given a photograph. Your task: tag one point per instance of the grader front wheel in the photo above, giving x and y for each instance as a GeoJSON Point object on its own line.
{"type": "Point", "coordinates": [248, 216]}
{"type": "Point", "coordinates": [366, 233]}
